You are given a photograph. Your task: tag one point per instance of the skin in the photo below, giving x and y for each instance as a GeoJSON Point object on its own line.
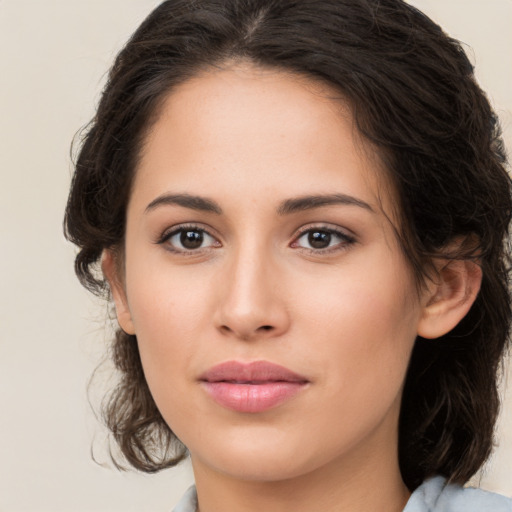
{"type": "Point", "coordinates": [345, 316]}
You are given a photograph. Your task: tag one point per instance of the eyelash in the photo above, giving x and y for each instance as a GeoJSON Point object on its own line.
{"type": "Point", "coordinates": [167, 235]}
{"type": "Point", "coordinates": [345, 239]}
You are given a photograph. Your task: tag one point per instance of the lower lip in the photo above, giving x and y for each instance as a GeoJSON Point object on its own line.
{"type": "Point", "coordinates": [252, 397]}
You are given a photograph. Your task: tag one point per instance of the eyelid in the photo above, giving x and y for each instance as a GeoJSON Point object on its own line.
{"type": "Point", "coordinates": [174, 230]}
{"type": "Point", "coordinates": [347, 237]}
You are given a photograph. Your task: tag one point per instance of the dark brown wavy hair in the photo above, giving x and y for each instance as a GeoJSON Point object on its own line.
{"type": "Point", "coordinates": [415, 99]}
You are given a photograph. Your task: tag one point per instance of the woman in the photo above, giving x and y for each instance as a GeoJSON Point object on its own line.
{"type": "Point", "coordinates": [299, 209]}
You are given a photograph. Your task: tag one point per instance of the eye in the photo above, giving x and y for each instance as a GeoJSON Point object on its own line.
{"type": "Point", "coordinates": [188, 239]}
{"type": "Point", "coordinates": [323, 239]}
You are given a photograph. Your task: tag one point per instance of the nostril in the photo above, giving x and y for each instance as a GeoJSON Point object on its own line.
{"type": "Point", "coordinates": [246, 334]}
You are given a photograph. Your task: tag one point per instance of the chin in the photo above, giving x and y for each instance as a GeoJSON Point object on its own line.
{"type": "Point", "coordinates": [258, 458]}
{"type": "Point", "coordinates": [263, 468]}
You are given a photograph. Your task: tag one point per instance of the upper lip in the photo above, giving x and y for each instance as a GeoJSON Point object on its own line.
{"type": "Point", "coordinates": [252, 372]}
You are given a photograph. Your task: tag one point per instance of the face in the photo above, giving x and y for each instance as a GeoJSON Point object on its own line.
{"type": "Point", "coordinates": [274, 310]}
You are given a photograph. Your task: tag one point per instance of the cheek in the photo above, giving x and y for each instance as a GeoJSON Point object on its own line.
{"type": "Point", "coordinates": [164, 299]}
{"type": "Point", "coordinates": [362, 340]}
{"type": "Point", "coordinates": [168, 312]}
{"type": "Point", "coordinates": [360, 301]}
{"type": "Point", "coordinates": [363, 325]}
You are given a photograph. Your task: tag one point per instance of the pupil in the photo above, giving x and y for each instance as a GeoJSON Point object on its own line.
{"type": "Point", "coordinates": [191, 239]}
{"type": "Point", "coordinates": [319, 239]}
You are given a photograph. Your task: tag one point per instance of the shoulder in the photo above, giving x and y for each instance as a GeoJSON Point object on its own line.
{"type": "Point", "coordinates": [435, 495]}
{"type": "Point", "coordinates": [188, 502]}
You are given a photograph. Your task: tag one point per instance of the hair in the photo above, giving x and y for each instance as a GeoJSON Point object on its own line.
{"type": "Point", "coordinates": [414, 97]}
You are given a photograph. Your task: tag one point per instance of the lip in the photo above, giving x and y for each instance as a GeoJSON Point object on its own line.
{"type": "Point", "coordinates": [251, 387]}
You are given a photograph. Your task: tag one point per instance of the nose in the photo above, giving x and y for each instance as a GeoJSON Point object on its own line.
{"type": "Point", "coordinates": [252, 304]}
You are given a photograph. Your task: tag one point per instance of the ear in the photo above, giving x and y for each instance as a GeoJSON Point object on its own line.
{"type": "Point", "coordinates": [110, 267]}
{"type": "Point", "coordinates": [449, 297]}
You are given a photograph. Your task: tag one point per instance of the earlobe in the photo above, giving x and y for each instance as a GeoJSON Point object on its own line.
{"type": "Point", "coordinates": [110, 269]}
{"type": "Point", "coordinates": [449, 298]}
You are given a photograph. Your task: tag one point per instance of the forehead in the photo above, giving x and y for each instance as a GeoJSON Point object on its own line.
{"type": "Point", "coordinates": [249, 129]}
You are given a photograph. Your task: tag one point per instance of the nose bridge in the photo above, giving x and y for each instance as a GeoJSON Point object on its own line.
{"type": "Point", "coordinates": [251, 305]}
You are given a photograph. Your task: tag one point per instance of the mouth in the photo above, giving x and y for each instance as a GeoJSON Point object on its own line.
{"type": "Point", "coordinates": [251, 387]}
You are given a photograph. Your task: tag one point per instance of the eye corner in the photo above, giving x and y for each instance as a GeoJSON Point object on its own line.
{"type": "Point", "coordinates": [329, 239]}
{"type": "Point", "coordinates": [198, 236]}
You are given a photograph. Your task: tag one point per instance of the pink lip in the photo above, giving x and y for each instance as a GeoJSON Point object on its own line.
{"type": "Point", "coordinates": [251, 387]}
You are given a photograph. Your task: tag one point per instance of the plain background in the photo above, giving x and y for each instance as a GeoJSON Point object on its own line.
{"type": "Point", "coordinates": [54, 55]}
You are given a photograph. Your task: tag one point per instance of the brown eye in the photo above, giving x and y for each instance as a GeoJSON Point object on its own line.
{"type": "Point", "coordinates": [188, 239]}
{"type": "Point", "coordinates": [319, 239]}
{"type": "Point", "coordinates": [191, 239]}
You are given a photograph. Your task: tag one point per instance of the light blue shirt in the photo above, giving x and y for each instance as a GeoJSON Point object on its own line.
{"type": "Point", "coordinates": [434, 495]}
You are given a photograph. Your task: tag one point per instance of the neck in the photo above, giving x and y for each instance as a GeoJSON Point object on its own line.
{"type": "Point", "coordinates": [365, 479]}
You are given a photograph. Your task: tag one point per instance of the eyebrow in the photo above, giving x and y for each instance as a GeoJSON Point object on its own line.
{"type": "Point", "coordinates": [187, 201]}
{"type": "Point", "coordinates": [317, 201]}
{"type": "Point", "coordinates": [287, 207]}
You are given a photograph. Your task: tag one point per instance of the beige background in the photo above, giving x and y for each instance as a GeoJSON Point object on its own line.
{"type": "Point", "coordinates": [53, 59]}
